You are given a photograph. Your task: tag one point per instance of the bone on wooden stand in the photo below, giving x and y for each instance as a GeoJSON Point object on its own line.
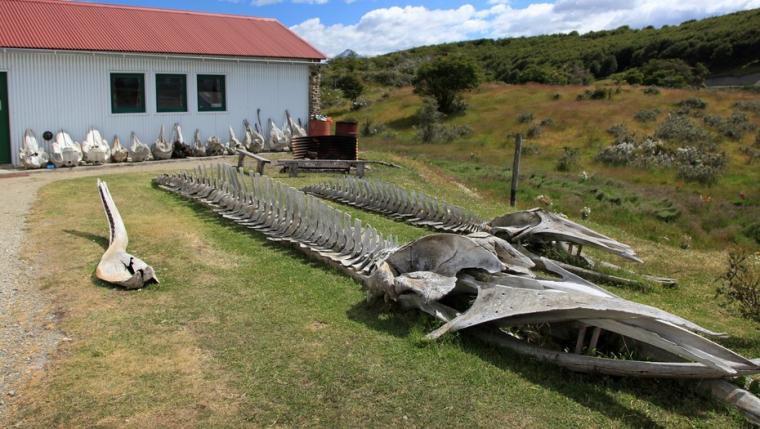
{"type": "Point", "coordinates": [261, 162]}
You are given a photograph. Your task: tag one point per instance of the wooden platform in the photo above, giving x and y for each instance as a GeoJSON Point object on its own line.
{"type": "Point", "coordinates": [294, 166]}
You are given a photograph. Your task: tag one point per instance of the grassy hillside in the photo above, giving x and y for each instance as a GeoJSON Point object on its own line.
{"type": "Point", "coordinates": [689, 51]}
{"type": "Point", "coordinates": [652, 203]}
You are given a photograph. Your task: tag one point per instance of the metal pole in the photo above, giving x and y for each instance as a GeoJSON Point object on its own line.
{"type": "Point", "coordinates": [516, 170]}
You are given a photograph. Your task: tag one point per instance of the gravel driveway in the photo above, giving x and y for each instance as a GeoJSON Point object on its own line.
{"type": "Point", "coordinates": [28, 334]}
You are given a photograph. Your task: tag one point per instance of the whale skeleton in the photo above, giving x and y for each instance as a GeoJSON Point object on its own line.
{"type": "Point", "coordinates": [180, 149]}
{"type": "Point", "coordinates": [139, 151]}
{"type": "Point", "coordinates": [254, 141]}
{"type": "Point", "coordinates": [215, 147]}
{"type": "Point", "coordinates": [95, 148]}
{"type": "Point", "coordinates": [64, 151]}
{"type": "Point", "coordinates": [296, 130]}
{"type": "Point", "coordinates": [438, 265]}
{"type": "Point", "coordinates": [117, 266]}
{"type": "Point", "coordinates": [478, 283]}
{"type": "Point", "coordinates": [233, 144]}
{"type": "Point", "coordinates": [118, 152]}
{"type": "Point", "coordinates": [532, 227]}
{"type": "Point", "coordinates": [277, 140]}
{"type": "Point", "coordinates": [162, 149]}
{"type": "Point", "coordinates": [31, 155]}
{"type": "Point", "coordinates": [198, 148]}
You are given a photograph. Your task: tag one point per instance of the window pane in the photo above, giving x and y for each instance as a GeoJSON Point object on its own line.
{"type": "Point", "coordinates": [211, 93]}
{"type": "Point", "coordinates": [127, 93]}
{"type": "Point", "coordinates": [171, 93]}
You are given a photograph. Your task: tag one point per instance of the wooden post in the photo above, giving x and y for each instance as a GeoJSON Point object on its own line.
{"type": "Point", "coordinates": [241, 161]}
{"type": "Point", "coordinates": [515, 170]}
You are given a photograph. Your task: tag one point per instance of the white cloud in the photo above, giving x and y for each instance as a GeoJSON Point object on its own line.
{"type": "Point", "coordinates": [390, 29]}
{"type": "Point", "coordinates": [268, 2]}
{"type": "Point", "coordinates": [264, 2]}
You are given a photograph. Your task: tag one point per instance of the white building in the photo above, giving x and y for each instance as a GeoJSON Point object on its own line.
{"type": "Point", "coordinates": [72, 66]}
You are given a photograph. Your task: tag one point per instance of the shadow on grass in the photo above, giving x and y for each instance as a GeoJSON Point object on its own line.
{"type": "Point", "coordinates": [403, 123]}
{"type": "Point", "coordinates": [102, 241]}
{"type": "Point", "coordinates": [591, 391]}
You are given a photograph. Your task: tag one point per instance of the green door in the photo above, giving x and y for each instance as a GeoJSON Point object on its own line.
{"type": "Point", "coordinates": [5, 129]}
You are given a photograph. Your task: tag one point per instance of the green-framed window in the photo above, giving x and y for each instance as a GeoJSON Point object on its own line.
{"type": "Point", "coordinates": [127, 93]}
{"type": "Point", "coordinates": [212, 93]}
{"type": "Point", "coordinates": [171, 93]}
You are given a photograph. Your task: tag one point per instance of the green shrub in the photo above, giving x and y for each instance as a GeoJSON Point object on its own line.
{"type": "Point", "coordinates": [647, 115]}
{"type": "Point", "coordinates": [534, 132]}
{"type": "Point", "coordinates": [524, 117]}
{"type": "Point", "coordinates": [351, 86]}
{"type": "Point", "coordinates": [651, 90]}
{"type": "Point", "coordinates": [678, 128]}
{"type": "Point", "coordinates": [692, 103]}
{"type": "Point", "coordinates": [740, 285]}
{"type": "Point", "coordinates": [569, 160]}
{"type": "Point", "coordinates": [748, 106]}
{"type": "Point", "coordinates": [430, 128]}
{"type": "Point", "coordinates": [444, 79]}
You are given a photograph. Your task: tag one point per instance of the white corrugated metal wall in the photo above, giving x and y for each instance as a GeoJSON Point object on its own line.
{"type": "Point", "coordinates": [49, 91]}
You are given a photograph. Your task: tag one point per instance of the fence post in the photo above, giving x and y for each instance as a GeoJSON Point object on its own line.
{"type": "Point", "coordinates": [515, 170]}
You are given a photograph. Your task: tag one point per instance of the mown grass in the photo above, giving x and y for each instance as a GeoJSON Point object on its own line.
{"type": "Point", "coordinates": [711, 216]}
{"type": "Point", "coordinates": [245, 333]}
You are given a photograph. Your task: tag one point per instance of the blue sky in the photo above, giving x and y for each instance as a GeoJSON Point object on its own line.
{"type": "Point", "coordinates": [373, 27]}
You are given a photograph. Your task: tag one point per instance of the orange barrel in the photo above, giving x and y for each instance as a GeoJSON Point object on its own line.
{"type": "Point", "coordinates": [347, 128]}
{"type": "Point", "coordinates": [320, 128]}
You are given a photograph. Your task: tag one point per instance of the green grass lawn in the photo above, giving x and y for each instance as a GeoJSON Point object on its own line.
{"type": "Point", "coordinates": [243, 332]}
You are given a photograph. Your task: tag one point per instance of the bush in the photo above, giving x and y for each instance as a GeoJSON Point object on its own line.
{"type": "Point", "coordinates": [331, 97]}
{"type": "Point", "coordinates": [524, 117]}
{"type": "Point", "coordinates": [748, 106]}
{"type": "Point", "coordinates": [430, 128]}
{"type": "Point", "coordinates": [692, 103]}
{"type": "Point", "coordinates": [444, 79]}
{"type": "Point", "coordinates": [733, 127]}
{"type": "Point", "coordinates": [621, 133]}
{"type": "Point", "coordinates": [369, 128]}
{"type": "Point", "coordinates": [673, 73]}
{"type": "Point", "coordinates": [359, 103]}
{"type": "Point", "coordinates": [740, 285]}
{"type": "Point", "coordinates": [596, 94]}
{"type": "Point", "coordinates": [696, 165]}
{"type": "Point", "coordinates": [651, 90]}
{"type": "Point", "coordinates": [736, 126]}
{"type": "Point", "coordinates": [647, 115]}
{"type": "Point", "coordinates": [351, 86]}
{"type": "Point", "coordinates": [429, 121]}
{"type": "Point", "coordinates": [534, 132]}
{"type": "Point", "coordinates": [569, 160]}
{"type": "Point", "coordinates": [680, 129]}
{"type": "Point", "coordinates": [547, 122]}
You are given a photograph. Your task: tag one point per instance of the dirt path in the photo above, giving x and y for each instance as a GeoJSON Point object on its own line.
{"type": "Point", "coordinates": [28, 334]}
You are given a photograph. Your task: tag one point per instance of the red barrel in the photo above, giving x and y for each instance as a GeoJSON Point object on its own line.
{"type": "Point", "coordinates": [320, 128]}
{"type": "Point", "coordinates": [347, 128]}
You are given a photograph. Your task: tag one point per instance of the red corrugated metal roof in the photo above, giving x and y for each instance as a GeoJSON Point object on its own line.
{"type": "Point", "coordinates": [65, 25]}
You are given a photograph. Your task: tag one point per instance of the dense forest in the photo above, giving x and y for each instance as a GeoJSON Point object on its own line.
{"type": "Point", "coordinates": [673, 56]}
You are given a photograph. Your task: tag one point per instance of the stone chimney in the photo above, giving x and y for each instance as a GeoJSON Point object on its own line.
{"type": "Point", "coordinates": [315, 78]}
